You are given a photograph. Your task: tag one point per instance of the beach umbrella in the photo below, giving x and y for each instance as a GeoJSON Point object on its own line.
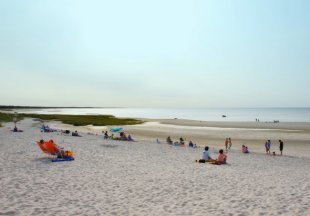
{"type": "Point", "coordinates": [116, 129]}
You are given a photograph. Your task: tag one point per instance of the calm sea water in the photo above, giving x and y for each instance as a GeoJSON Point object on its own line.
{"type": "Point", "coordinates": [210, 114]}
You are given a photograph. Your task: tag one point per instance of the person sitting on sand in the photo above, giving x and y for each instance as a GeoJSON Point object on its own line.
{"type": "Point", "coordinates": [123, 136]}
{"type": "Point", "coordinates": [130, 138]}
{"type": "Point", "coordinates": [169, 141]}
{"type": "Point", "coordinates": [59, 150]}
{"type": "Point", "coordinates": [75, 134]}
{"type": "Point", "coordinates": [181, 141]}
{"type": "Point", "coordinates": [221, 159]}
{"type": "Point", "coordinates": [191, 144]}
{"type": "Point", "coordinates": [15, 129]}
{"type": "Point", "coordinates": [244, 149]}
{"type": "Point", "coordinates": [106, 135]}
{"type": "Point", "coordinates": [205, 156]}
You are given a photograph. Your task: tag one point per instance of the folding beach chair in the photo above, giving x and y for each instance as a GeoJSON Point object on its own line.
{"type": "Point", "coordinates": [49, 147]}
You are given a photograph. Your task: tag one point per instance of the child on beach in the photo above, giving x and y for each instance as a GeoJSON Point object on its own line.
{"type": "Point", "coordinates": [244, 149]}
{"type": "Point", "coordinates": [267, 146]}
{"type": "Point", "coordinates": [226, 143]}
{"type": "Point", "coordinates": [229, 143]}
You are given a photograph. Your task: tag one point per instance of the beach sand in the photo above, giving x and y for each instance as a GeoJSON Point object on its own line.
{"type": "Point", "coordinates": [296, 136]}
{"type": "Point", "coordinates": [145, 178]}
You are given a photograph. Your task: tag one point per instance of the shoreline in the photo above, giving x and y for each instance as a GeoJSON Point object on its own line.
{"type": "Point", "coordinates": [269, 115]}
{"type": "Point", "coordinates": [234, 124]}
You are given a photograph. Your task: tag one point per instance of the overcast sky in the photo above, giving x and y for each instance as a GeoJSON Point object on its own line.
{"type": "Point", "coordinates": [163, 53]}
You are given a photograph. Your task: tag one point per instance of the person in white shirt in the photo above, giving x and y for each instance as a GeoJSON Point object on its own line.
{"type": "Point", "coordinates": [205, 156]}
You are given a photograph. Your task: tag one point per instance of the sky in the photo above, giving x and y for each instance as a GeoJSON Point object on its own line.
{"type": "Point", "coordinates": [175, 53]}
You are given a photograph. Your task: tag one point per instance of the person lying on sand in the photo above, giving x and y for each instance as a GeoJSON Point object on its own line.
{"type": "Point", "coordinates": [65, 132]}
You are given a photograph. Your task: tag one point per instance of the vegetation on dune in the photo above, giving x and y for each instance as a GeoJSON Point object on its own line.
{"type": "Point", "coordinates": [8, 117]}
{"type": "Point", "coordinates": [76, 120]}
{"type": "Point", "coordinates": [10, 107]}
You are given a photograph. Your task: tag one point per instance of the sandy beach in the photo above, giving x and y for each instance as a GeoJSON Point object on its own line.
{"type": "Point", "coordinates": [111, 177]}
{"type": "Point", "coordinates": [296, 135]}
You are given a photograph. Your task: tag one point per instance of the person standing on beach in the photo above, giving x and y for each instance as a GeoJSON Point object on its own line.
{"type": "Point", "coordinates": [268, 146]}
{"type": "Point", "coordinates": [229, 143]}
{"type": "Point", "coordinates": [226, 144]}
{"type": "Point", "coordinates": [281, 146]}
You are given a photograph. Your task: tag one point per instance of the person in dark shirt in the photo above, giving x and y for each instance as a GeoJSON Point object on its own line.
{"type": "Point", "coordinates": [169, 141]}
{"type": "Point", "coordinates": [281, 146]}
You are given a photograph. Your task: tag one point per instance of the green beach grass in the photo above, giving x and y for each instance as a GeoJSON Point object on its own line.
{"type": "Point", "coordinates": [76, 120]}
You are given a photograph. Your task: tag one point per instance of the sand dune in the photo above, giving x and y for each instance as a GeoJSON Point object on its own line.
{"type": "Point", "coordinates": [144, 178]}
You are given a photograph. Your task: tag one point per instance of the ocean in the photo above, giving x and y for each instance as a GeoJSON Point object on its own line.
{"type": "Point", "coordinates": [203, 114]}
